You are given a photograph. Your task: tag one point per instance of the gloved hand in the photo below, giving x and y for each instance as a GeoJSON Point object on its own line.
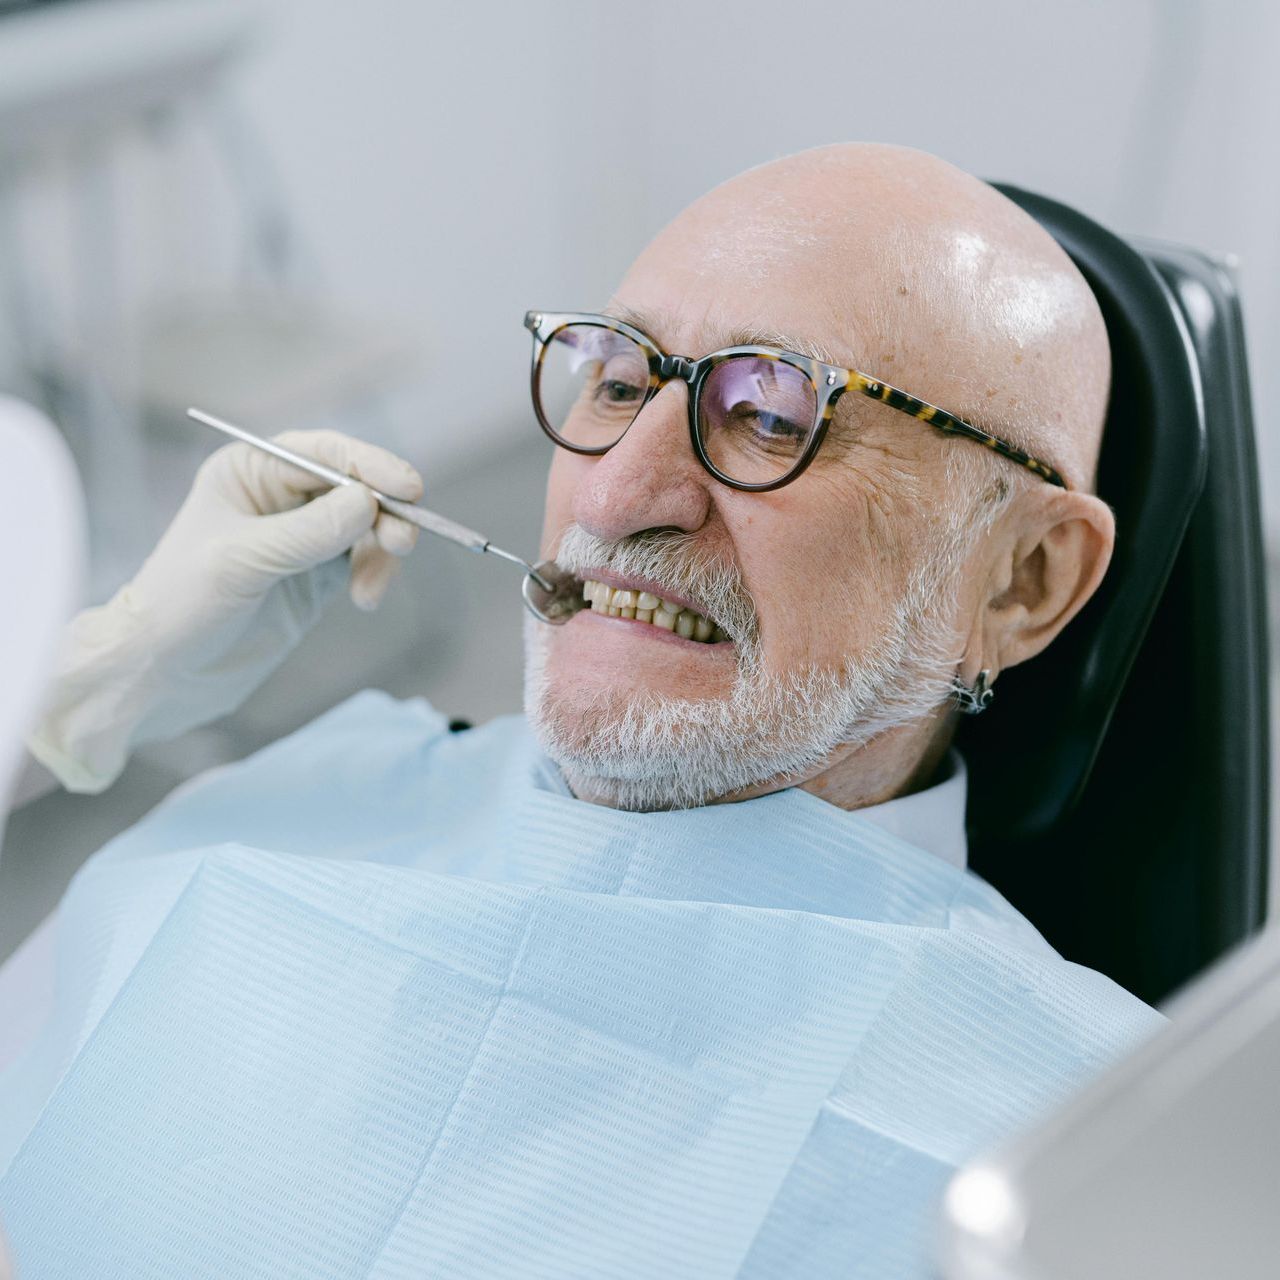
{"type": "Point", "coordinates": [236, 580]}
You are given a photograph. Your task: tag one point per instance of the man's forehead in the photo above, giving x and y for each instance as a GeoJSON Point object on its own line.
{"type": "Point", "coordinates": [898, 265]}
{"type": "Point", "coordinates": [712, 331]}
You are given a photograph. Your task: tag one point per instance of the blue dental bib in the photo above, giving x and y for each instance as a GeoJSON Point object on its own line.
{"type": "Point", "coordinates": [385, 1002]}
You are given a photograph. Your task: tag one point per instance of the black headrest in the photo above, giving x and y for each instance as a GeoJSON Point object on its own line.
{"type": "Point", "coordinates": [1031, 754]}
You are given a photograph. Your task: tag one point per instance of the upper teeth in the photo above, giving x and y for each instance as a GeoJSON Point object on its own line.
{"type": "Point", "coordinates": [620, 602]}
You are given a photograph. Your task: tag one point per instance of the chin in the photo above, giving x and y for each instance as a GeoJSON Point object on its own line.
{"type": "Point", "coordinates": [641, 745]}
{"type": "Point", "coordinates": [640, 741]}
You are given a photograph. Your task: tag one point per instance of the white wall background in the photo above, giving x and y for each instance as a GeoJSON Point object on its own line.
{"type": "Point", "coordinates": [453, 164]}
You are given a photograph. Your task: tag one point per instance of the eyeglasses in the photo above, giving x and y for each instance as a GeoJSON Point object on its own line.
{"type": "Point", "coordinates": [757, 415]}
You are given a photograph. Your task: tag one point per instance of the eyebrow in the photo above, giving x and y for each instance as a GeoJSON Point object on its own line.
{"type": "Point", "coordinates": [757, 337]}
{"type": "Point", "coordinates": [741, 336]}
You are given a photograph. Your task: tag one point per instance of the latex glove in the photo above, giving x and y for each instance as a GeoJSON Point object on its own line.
{"type": "Point", "coordinates": [236, 580]}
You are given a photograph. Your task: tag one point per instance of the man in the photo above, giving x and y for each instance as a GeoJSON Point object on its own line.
{"type": "Point", "coordinates": [693, 981]}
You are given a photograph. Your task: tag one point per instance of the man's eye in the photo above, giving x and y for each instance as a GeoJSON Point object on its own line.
{"type": "Point", "coordinates": [777, 427]}
{"type": "Point", "coordinates": [766, 427]}
{"type": "Point", "coordinates": [616, 391]}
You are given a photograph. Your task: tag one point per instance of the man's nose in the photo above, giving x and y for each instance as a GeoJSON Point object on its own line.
{"type": "Point", "coordinates": [650, 479]}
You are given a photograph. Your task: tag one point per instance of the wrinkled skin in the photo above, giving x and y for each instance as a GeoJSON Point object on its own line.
{"type": "Point", "coordinates": [899, 265]}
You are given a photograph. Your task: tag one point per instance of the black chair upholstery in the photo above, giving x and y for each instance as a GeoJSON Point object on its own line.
{"type": "Point", "coordinates": [1118, 785]}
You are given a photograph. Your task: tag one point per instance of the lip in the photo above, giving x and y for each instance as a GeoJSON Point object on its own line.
{"type": "Point", "coordinates": [640, 584]}
{"type": "Point", "coordinates": [659, 634]}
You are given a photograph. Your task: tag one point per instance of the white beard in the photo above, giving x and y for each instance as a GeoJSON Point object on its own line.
{"type": "Point", "coordinates": [644, 750]}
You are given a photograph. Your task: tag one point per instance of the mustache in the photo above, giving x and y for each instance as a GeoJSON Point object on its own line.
{"type": "Point", "coordinates": [677, 560]}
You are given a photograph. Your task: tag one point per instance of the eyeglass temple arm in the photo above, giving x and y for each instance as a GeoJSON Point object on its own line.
{"type": "Point", "coordinates": [949, 424]}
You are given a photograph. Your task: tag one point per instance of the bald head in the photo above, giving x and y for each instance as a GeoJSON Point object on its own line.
{"type": "Point", "coordinates": [898, 264]}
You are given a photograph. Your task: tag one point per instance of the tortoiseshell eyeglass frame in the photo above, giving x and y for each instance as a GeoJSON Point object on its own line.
{"type": "Point", "coordinates": [829, 382]}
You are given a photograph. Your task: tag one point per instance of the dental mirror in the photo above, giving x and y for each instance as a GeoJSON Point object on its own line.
{"type": "Point", "coordinates": [552, 594]}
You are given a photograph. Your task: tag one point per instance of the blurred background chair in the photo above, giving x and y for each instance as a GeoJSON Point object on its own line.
{"type": "Point", "coordinates": [1119, 786]}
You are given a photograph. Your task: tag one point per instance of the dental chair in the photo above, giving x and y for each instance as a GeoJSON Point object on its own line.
{"type": "Point", "coordinates": [1119, 783]}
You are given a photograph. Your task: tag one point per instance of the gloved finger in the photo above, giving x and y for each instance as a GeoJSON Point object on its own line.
{"type": "Point", "coordinates": [377, 467]}
{"type": "Point", "coordinates": [397, 536]}
{"type": "Point", "coordinates": [258, 484]}
{"type": "Point", "coordinates": [293, 541]}
{"type": "Point", "coordinates": [372, 569]}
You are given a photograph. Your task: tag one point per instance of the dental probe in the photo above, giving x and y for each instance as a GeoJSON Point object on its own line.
{"type": "Point", "coordinates": [547, 587]}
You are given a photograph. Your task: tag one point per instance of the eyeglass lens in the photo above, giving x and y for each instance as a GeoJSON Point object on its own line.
{"type": "Point", "coordinates": [755, 414]}
{"type": "Point", "coordinates": [591, 384]}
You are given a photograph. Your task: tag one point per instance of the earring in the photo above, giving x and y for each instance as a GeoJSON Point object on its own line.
{"type": "Point", "coordinates": [973, 702]}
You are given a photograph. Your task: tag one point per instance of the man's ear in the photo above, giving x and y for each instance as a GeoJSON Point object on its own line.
{"type": "Point", "coordinates": [1055, 564]}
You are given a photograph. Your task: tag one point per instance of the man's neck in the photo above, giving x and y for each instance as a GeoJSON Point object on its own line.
{"type": "Point", "coordinates": [898, 763]}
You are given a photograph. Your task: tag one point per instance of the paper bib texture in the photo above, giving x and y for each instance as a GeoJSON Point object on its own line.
{"type": "Point", "coordinates": [443, 1020]}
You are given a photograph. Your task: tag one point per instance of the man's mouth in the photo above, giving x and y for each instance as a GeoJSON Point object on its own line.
{"type": "Point", "coordinates": [645, 606]}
